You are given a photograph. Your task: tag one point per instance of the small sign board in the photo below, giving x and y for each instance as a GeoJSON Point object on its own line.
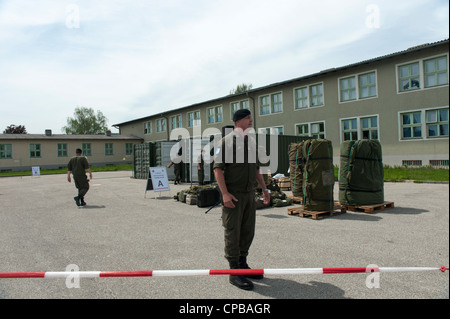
{"type": "Point", "coordinates": [35, 171]}
{"type": "Point", "coordinates": [158, 180]}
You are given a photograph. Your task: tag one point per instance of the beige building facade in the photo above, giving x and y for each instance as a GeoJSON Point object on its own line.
{"type": "Point", "coordinates": [401, 99]}
{"type": "Point", "coordinates": [20, 152]}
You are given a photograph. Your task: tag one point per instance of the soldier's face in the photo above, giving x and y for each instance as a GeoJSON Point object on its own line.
{"type": "Point", "coordinates": [245, 122]}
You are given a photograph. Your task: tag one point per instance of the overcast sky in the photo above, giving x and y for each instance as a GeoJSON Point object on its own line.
{"type": "Point", "coordinates": [131, 59]}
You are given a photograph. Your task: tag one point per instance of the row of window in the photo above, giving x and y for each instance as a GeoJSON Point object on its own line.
{"type": "Point", "coordinates": [419, 124]}
{"type": "Point", "coordinates": [411, 76]}
{"type": "Point", "coordinates": [35, 150]}
{"type": "Point", "coordinates": [436, 163]}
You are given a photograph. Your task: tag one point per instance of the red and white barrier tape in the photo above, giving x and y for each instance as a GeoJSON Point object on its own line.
{"type": "Point", "coordinates": [207, 272]}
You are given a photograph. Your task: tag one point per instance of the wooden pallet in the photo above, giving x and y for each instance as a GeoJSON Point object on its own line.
{"type": "Point", "coordinates": [294, 210]}
{"type": "Point", "coordinates": [338, 208]}
{"type": "Point", "coordinates": [297, 200]}
{"type": "Point", "coordinates": [370, 209]}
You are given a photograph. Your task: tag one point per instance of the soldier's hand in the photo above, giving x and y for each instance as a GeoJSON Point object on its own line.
{"type": "Point", "coordinates": [266, 198]}
{"type": "Point", "coordinates": [228, 200]}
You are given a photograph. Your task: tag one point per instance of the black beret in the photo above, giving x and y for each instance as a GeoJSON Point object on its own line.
{"type": "Point", "coordinates": [240, 114]}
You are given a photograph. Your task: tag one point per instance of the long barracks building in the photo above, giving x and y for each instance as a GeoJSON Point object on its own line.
{"type": "Point", "coordinates": [401, 99]}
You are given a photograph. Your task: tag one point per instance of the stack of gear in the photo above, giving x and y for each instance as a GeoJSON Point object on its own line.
{"type": "Point", "coordinates": [202, 196]}
{"type": "Point", "coordinates": [296, 162]}
{"type": "Point", "coordinates": [318, 175]}
{"type": "Point", "coordinates": [361, 175]}
{"type": "Point", "coordinates": [277, 196]}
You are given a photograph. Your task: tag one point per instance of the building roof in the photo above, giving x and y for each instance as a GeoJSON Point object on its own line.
{"type": "Point", "coordinates": [66, 137]}
{"type": "Point", "coordinates": [323, 72]}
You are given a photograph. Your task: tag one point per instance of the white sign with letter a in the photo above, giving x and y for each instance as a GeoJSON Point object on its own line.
{"type": "Point", "coordinates": [159, 179]}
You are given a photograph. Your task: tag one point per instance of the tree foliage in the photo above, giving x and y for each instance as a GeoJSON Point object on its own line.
{"type": "Point", "coordinates": [13, 129]}
{"type": "Point", "coordinates": [85, 121]}
{"type": "Point", "coordinates": [241, 88]}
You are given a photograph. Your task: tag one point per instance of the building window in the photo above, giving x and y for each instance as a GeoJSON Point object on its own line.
{"type": "Point", "coordinates": [412, 163]}
{"type": "Point", "coordinates": [434, 122]}
{"type": "Point", "coordinates": [318, 130]}
{"type": "Point", "coordinates": [409, 77]}
{"type": "Point", "coordinates": [62, 149]}
{"type": "Point", "coordinates": [308, 96]}
{"type": "Point", "coordinates": [272, 103]}
{"type": "Point", "coordinates": [367, 85]}
{"type": "Point", "coordinates": [265, 105]}
{"type": "Point", "coordinates": [148, 127]}
{"type": "Point", "coordinates": [175, 122]}
{"type": "Point", "coordinates": [348, 89]}
{"type": "Point", "coordinates": [316, 95]}
{"type": "Point", "coordinates": [109, 149]}
{"type": "Point", "coordinates": [5, 151]}
{"type": "Point", "coordinates": [412, 125]}
{"type": "Point", "coordinates": [87, 149]}
{"type": "Point", "coordinates": [160, 125]}
{"type": "Point", "coordinates": [194, 119]}
{"type": "Point", "coordinates": [350, 129]}
{"type": "Point", "coordinates": [421, 74]}
{"type": "Point", "coordinates": [301, 98]}
{"type": "Point", "coordinates": [436, 71]}
{"type": "Point", "coordinates": [437, 123]}
{"type": "Point", "coordinates": [277, 103]}
{"type": "Point", "coordinates": [314, 130]}
{"type": "Point", "coordinates": [276, 130]}
{"type": "Point", "coordinates": [359, 86]}
{"type": "Point", "coordinates": [35, 150]}
{"type": "Point", "coordinates": [128, 148]}
{"type": "Point", "coordinates": [369, 127]}
{"type": "Point", "coordinates": [439, 163]}
{"type": "Point", "coordinates": [215, 114]}
{"type": "Point", "coordinates": [302, 130]}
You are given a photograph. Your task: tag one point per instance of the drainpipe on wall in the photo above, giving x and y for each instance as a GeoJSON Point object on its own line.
{"type": "Point", "coordinates": [254, 110]}
{"type": "Point", "coordinates": [167, 126]}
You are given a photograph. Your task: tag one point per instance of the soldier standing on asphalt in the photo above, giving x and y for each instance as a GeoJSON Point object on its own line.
{"type": "Point", "coordinates": [237, 181]}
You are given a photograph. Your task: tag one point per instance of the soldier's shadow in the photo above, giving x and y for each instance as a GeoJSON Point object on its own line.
{"type": "Point", "coordinates": [93, 206]}
{"type": "Point", "coordinates": [288, 289]}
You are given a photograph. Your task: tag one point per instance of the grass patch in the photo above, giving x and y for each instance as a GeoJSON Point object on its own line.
{"type": "Point", "coordinates": [391, 174]}
{"type": "Point", "coordinates": [417, 174]}
{"type": "Point", "coordinates": [107, 168]}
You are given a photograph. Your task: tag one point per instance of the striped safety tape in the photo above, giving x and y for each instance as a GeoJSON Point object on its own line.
{"type": "Point", "coordinates": [208, 272]}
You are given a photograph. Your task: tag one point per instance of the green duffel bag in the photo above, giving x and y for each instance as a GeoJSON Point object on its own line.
{"type": "Point", "coordinates": [361, 174]}
{"type": "Point", "coordinates": [318, 175]}
{"type": "Point", "coordinates": [296, 163]}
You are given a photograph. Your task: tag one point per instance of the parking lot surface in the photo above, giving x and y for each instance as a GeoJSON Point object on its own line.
{"type": "Point", "coordinates": [123, 227]}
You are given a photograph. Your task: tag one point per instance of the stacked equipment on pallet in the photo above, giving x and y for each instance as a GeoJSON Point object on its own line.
{"type": "Point", "coordinates": [361, 175]}
{"type": "Point", "coordinates": [318, 175]}
{"type": "Point", "coordinates": [296, 162]}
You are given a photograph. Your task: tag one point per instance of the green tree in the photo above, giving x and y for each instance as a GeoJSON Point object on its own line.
{"type": "Point", "coordinates": [85, 121]}
{"type": "Point", "coordinates": [241, 88]}
{"type": "Point", "coordinates": [13, 129]}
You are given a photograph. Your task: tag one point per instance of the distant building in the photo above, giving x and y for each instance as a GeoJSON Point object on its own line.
{"type": "Point", "coordinates": [23, 151]}
{"type": "Point", "coordinates": [401, 99]}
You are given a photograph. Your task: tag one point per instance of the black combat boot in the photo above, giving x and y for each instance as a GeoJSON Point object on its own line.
{"type": "Point", "coordinates": [239, 280]}
{"type": "Point", "coordinates": [243, 265]}
{"type": "Point", "coordinates": [82, 202]}
{"type": "Point", "coordinates": [77, 200]}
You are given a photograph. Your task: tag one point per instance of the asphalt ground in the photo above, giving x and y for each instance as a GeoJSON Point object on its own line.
{"type": "Point", "coordinates": [123, 227]}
